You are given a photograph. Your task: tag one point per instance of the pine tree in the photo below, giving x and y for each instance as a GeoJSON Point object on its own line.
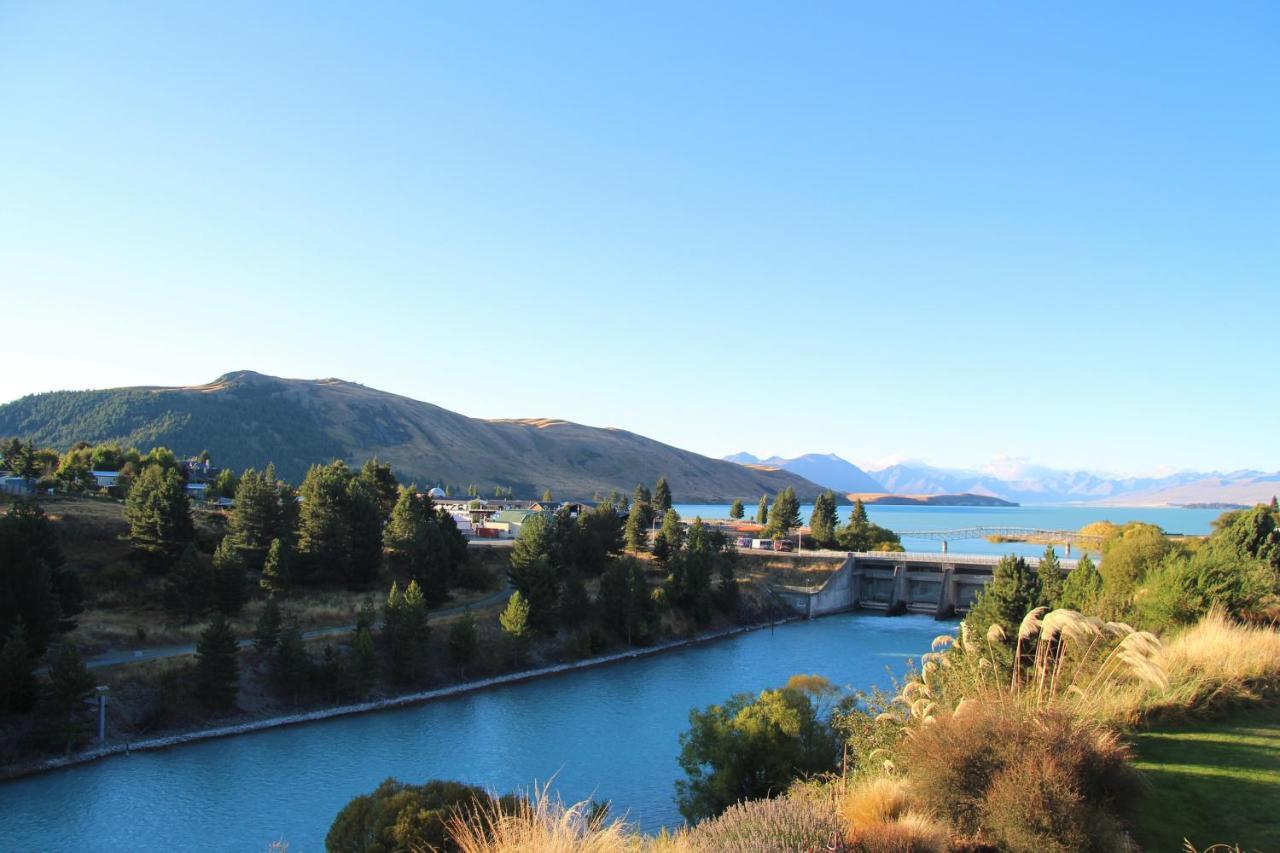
{"type": "Point", "coordinates": [514, 621]}
{"type": "Point", "coordinates": [18, 688]}
{"type": "Point", "coordinates": [625, 605]}
{"type": "Point", "coordinates": [822, 523]}
{"type": "Point", "coordinates": [364, 662]}
{"type": "Point", "coordinates": [1082, 588]}
{"type": "Point", "coordinates": [290, 667]}
{"type": "Point", "coordinates": [736, 510]}
{"type": "Point", "coordinates": [189, 588]}
{"type": "Point", "coordinates": [275, 569]}
{"type": "Point", "coordinates": [253, 519]}
{"type": "Point", "coordinates": [377, 476]}
{"type": "Point", "coordinates": [62, 711]}
{"type": "Point", "coordinates": [546, 496]}
{"type": "Point", "coordinates": [1051, 580]}
{"type": "Point", "coordinates": [230, 583]}
{"type": "Point", "coordinates": [217, 665]}
{"type": "Point", "coordinates": [364, 517]}
{"type": "Point", "coordinates": [785, 515]}
{"type": "Point", "coordinates": [661, 497]}
{"type": "Point", "coordinates": [405, 627]}
{"type": "Point", "coordinates": [323, 529]}
{"type": "Point", "coordinates": [1012, 593]}
{"type": "Point", "coordinates": [642, 497]}
{"type": "Point", "coordinates": [159, 515]}
{"type": "Point", "coordinates": [533, 573]}
{"type": "Point", "coordinates": [762, 510]}
{"type": "Point", "coordinates": [463, 640]}
{"type": "Point", "coordinates": [575, 603]}
{"type": "Point", "coordinates": [859, 513]}
{"type": "Point", "coordinates": [266, 634]}
{"type": "Point", "coordinates": [636, 533]}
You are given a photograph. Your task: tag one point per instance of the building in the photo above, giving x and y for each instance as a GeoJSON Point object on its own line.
{"type": "Point", "coordinates": [105, 479]}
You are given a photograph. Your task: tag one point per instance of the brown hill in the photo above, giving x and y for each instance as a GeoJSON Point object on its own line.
{"type": "Point", "coordinates": [246, 418]}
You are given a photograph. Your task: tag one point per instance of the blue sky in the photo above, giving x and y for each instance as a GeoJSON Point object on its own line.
{"type": "Point", "coordinates": [934, 230]}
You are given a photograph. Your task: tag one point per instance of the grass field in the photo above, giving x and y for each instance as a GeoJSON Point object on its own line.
{"type": "Point", "coordinates": [1213, 782]}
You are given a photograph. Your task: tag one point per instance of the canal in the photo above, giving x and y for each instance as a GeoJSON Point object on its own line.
{"type": "Point", "coordinates": [609, 733]}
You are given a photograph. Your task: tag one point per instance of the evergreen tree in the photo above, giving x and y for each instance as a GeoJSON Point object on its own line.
{"type": "Point", "coordinates": [364, 519]}
{"type": "Point", "coordinates": [785, 515]}
{"type": "Point", "coordinates": [323, 531]}
{"type": "Point", "coordinates": [463, 640]}
{"type": "Point", "coordinates": [822, 523]}
{"type": "Point", "coordinates": [762, 510]}
{"type": "Point", "coordinates": [661, 497]}
{"type": "Point", "coordinates": [287, 507]}
{"type": "Point", "coordinates": [736, 510]}
{"type": "Point", "coordinates": [18, 688]}
{"type": "Point", "coordinates": [189, 588]}
{"type": "Point", "coordinates": [63, 710]}
{"type": "Point", "coordinates": [1082, 588]}
{"type": "Point", "coordinates": [575, 603]}
{"type": "Point", "coordinates": [217, 665]}
{"type": "Point", "coordinates": [624, 601]}
{"type": "Point", "coordinates": [405, 627]}
{"type": "Point", "coordinates": [230, 583]}
{"type": "Point", "coordinates": [29, 558]}
{"type": "Point", "coordinates": [546, 496]}
{"type": "Point", "coordinates": [533, 573]}
{"type": "Point", "coordinates": [275, 569]}
{"type": "Point", "coordinates": [858, 515]}
{"type": "Point", "coordinates": [254, 518]}
{"type": "Point", "coordinates": [382, 485]}
{"type": "Point", "coordinates": [1013, 592]}
{"type": "Point", "coordinates": [266, 634]}
{"type": "Point", "coordinates": [159, 515]}
{"type": "Point", "coordinates": [291, 667]}
{"type": "Point", "coordinates": [644, 498]}
{"type": "Point", "coordinates": [1051, 579]}
{"type": "Point", "coordinates": [514, 621]}
{"type": "Point", "coordinates": [364, 662]}
{"type": "Point", "coordinates": [637, 531]}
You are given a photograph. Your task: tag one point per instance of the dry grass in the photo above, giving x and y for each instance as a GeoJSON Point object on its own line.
{"type": "Point", "coordinates": [910, 832]}
{"type": "Point", "coordinates": [540, 823]}
{"type": "Point", "coordinates": [875, 800]}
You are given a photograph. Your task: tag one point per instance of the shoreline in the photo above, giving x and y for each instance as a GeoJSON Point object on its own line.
{"type": "Point", "coordinates": [407, 699]}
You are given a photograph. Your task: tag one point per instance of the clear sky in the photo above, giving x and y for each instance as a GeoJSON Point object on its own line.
{"type": "Point", "coordinates": [947, 231]}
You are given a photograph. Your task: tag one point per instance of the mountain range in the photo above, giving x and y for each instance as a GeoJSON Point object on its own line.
{"type": "Point", "coordinates": [248, 419]}
{"type": "Point", "coordinates": [1017, 481]}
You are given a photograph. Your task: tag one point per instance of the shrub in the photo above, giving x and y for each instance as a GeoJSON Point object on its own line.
{"type": "Point", "coordinates": [1038, 778]}
{"type": "Point", "coordinates": [398, 817]}
{"type": "Point", "coordinates": [539, 822]}
{"type": "Point", "coordinates": [762, 826]}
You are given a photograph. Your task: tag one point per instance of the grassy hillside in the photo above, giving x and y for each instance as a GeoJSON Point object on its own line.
{"type": "Point", "coordinates": [245, 419]}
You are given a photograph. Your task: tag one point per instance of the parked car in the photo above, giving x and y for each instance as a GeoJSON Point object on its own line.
{"type": "Point", "coordinates": [762, 544]}
{"type": "Point", "coordinates": [782, 545]}
{"type": "Point", "coordinates": [744, 542]}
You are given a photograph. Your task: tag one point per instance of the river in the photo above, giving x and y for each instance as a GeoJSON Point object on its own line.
{"type": "Point", "coordinates": [904, 519]}
{"type": "Point", "coordinates": [611, 733]}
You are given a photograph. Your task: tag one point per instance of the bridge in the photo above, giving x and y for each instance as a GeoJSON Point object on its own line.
{"type": "Point", "coordinates": [940, 585]}
{"type": "Point", "coordinates": [1029, 534]}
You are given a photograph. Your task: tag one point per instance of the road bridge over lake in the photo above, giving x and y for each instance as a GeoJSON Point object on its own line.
{"type": "Point", "coordinates": [941, 585]}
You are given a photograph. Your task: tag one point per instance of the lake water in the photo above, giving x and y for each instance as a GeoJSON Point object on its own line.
{"type": "Point", "coordinates": [608, 733]}
{"type": "Point", "coordinates": [903, 519]}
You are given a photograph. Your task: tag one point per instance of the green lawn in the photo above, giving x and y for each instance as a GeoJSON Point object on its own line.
{"type": "Point", "coordinates": [1212, 783]}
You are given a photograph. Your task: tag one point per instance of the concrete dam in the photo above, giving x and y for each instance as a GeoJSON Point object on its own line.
{"type": "Point", "coordinates": [941, 585]}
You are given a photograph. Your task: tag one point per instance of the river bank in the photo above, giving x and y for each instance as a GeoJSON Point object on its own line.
{"type": "Point", "coordinates": [415, 698]}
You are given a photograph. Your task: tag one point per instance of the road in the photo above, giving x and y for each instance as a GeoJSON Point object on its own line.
{"type": "Point", "coordinates": [160, 652]}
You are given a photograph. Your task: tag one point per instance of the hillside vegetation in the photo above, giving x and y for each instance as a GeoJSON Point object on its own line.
{"type": "Point", "coordinates": [246, 419]}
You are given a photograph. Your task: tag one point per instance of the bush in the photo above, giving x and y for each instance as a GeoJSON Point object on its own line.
{"type": "Point", "coordinates": [399, 817]}
{"type": "Point", "coordinates": [762, 826]}
{"type": "Point", "coordinates": [1039, 779]}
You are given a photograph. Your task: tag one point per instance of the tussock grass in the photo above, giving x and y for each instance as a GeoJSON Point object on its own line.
{"type": "Point", "coordinates": [539, 823]}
